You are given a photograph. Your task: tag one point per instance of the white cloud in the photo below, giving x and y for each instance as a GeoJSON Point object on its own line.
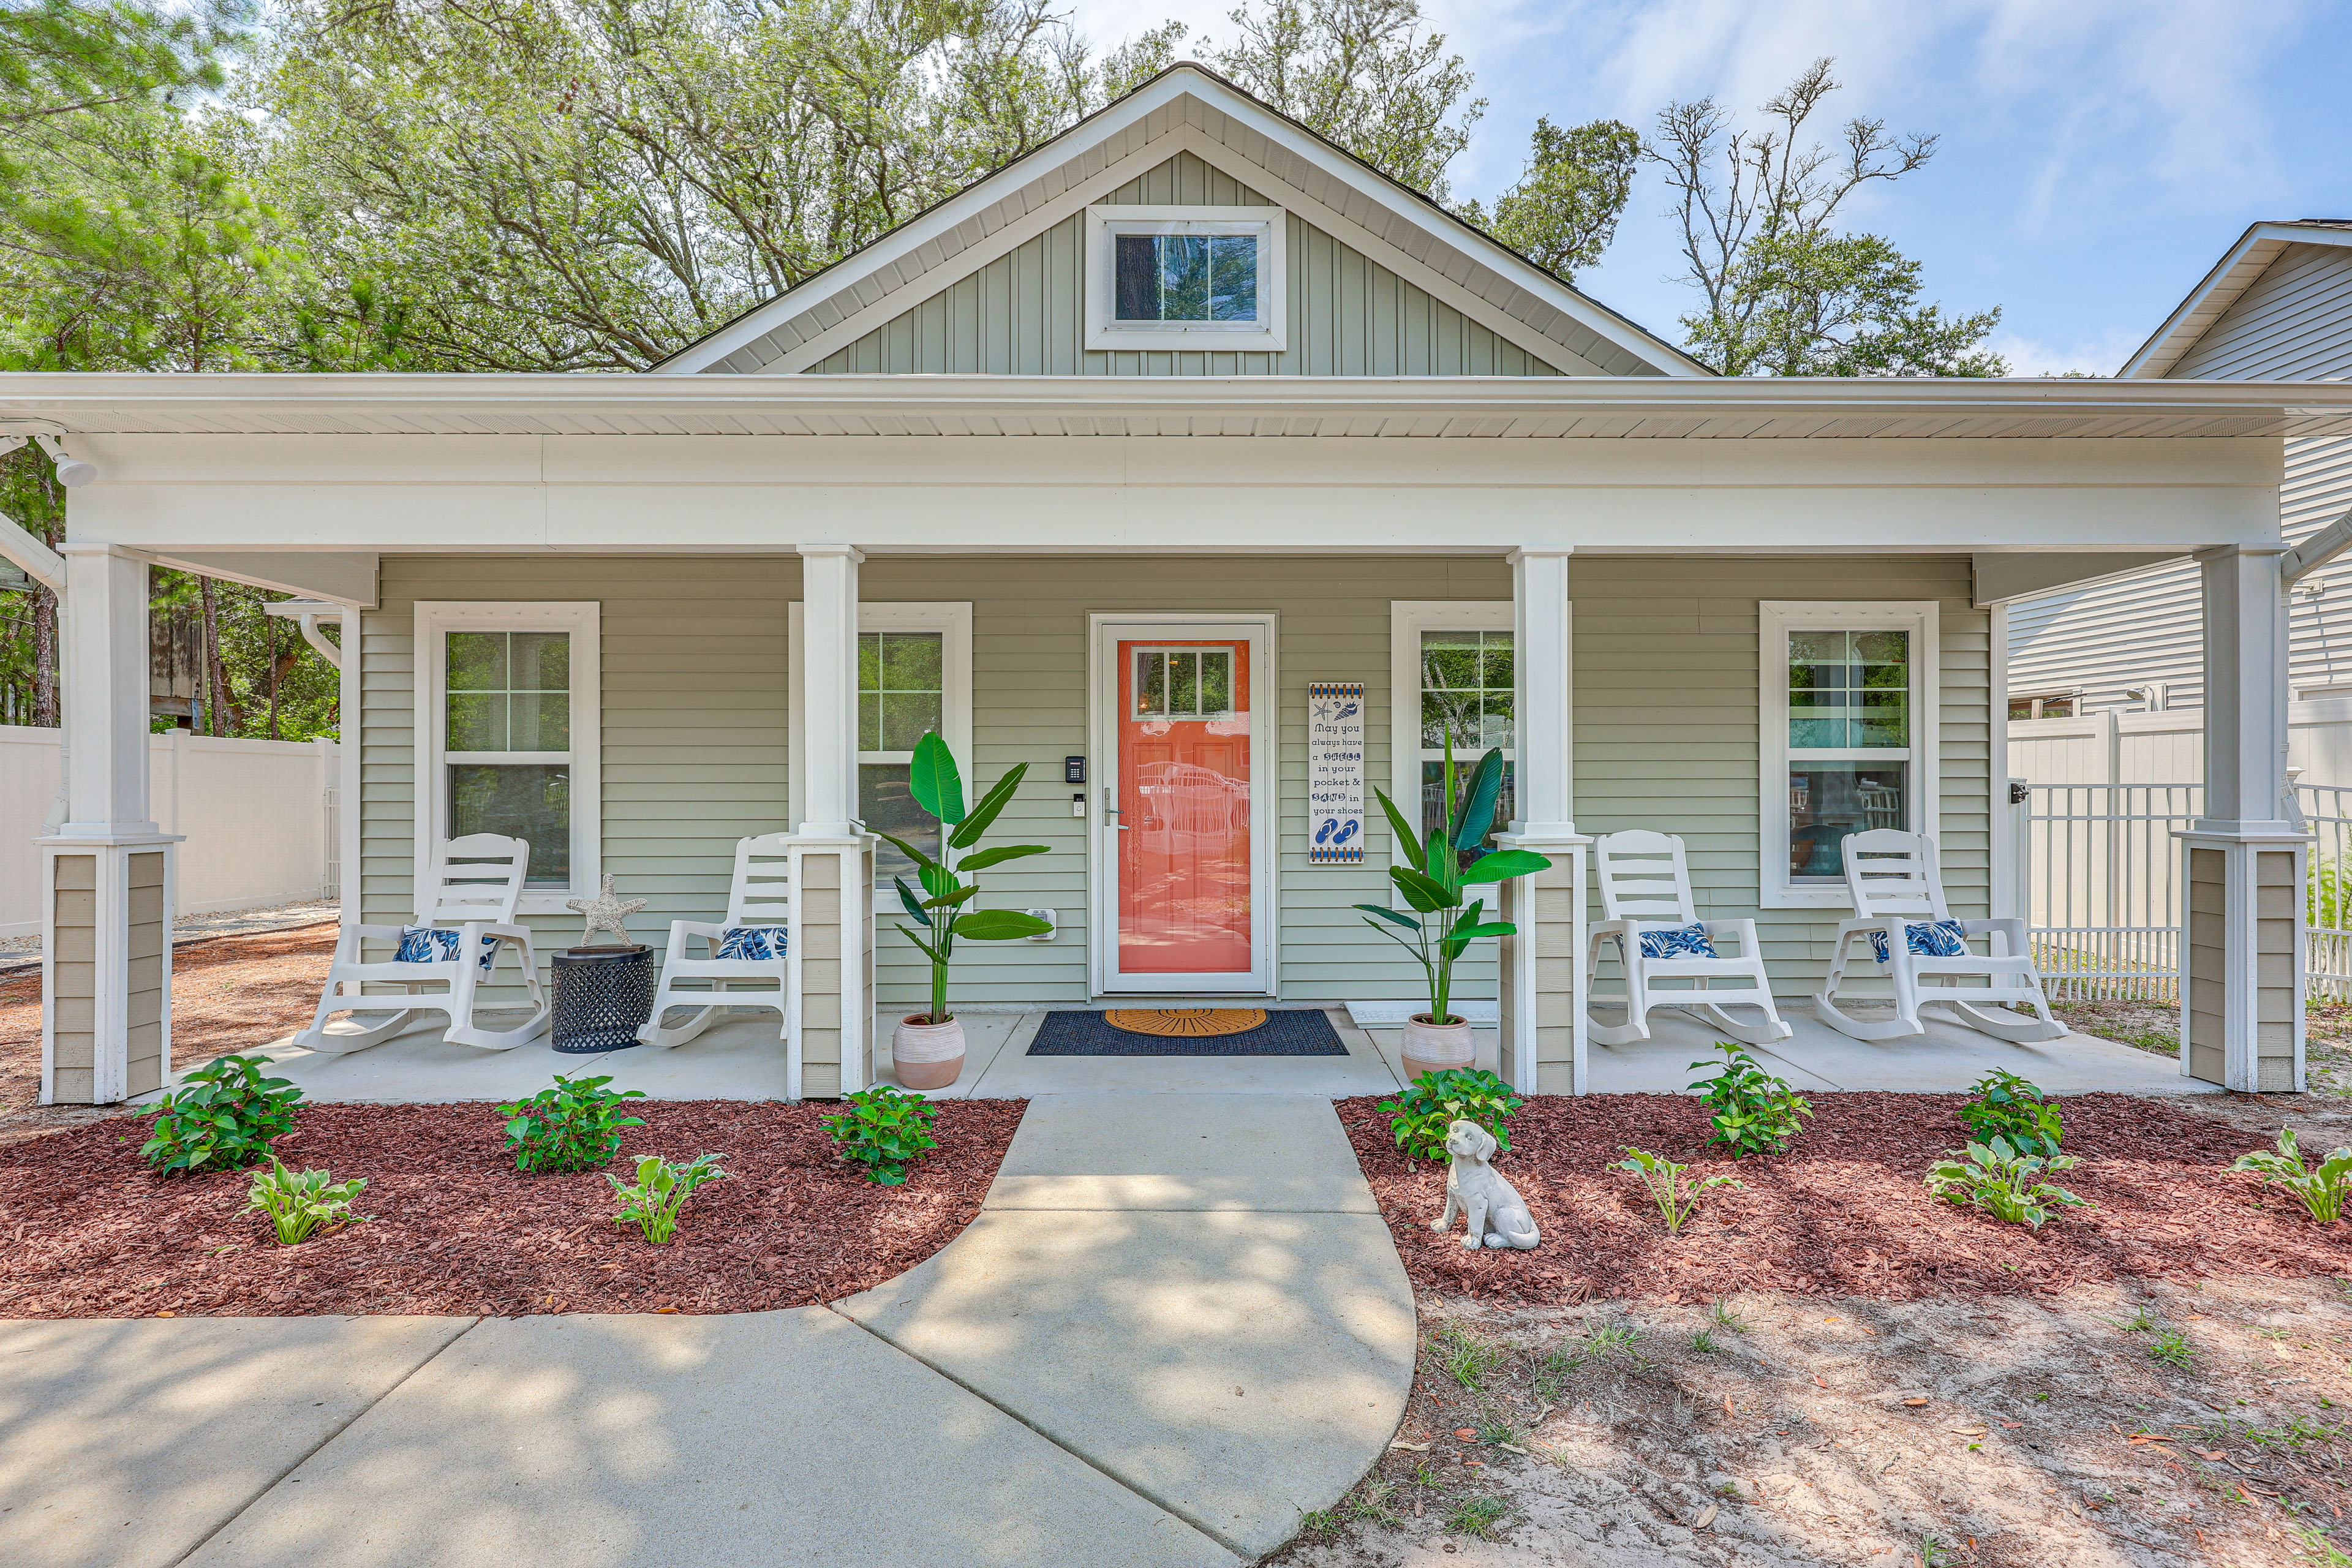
{"type": "Point", "coordinates": [2100, 354]}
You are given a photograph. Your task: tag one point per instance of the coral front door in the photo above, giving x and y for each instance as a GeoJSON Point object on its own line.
{"type": "Point", "coordinates": [1183, 814]}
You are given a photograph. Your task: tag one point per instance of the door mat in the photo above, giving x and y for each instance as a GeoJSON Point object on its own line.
{"type": "Point", "coordinates": [1290, 1032]}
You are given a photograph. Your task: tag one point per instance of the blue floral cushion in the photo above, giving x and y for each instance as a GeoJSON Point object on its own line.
{"type": "Point", "coordinates": [753, 941]}
{"type": "Point", "coordinates": [1678, 941]}
{"type": "Point", "coordinates": [1929, 939]}
{"type": "Point", "coordinates": [430, 944]}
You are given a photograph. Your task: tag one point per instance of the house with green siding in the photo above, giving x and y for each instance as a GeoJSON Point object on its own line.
{"type": "Point", "coordinates": [1114, 465]}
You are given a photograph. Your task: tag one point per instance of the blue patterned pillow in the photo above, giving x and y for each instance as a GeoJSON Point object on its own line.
{"type": "Point", "coordinates": [1929, 939]}
{"type": "Point", "coordinates": [753, 941]}
{"type": "Point", "coordinates": [1678, 941]}
{"type": "Point", "coordinates": [430, 944]}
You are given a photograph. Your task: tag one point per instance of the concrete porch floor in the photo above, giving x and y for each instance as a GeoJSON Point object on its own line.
{"type": "Point", "coordinates": [739, 1058]}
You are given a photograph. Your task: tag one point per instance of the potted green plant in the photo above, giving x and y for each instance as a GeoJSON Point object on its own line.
{"type": "Point", "coordinates": [927, 1048]}
{"type": "Point", "coordinates": [1443, 923]}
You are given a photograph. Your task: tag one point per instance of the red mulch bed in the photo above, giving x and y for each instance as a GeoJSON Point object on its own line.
{"type": "Point", "coordinates": [1845, 1212]}
{"type": "Point", "coordinates": [455, 1228]}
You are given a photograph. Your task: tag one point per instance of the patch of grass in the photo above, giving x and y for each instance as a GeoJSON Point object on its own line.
{"type": "Point", "coordinates": [1934, 1554]}
{"type": "Point", "coordinates": [1723, 1316]}
{"type": "Point", "coordinates": [1552, 1372]}
{"type": "Point", "coordinates": [2139, 1323]}
{"type": "Point", "coordinates": [1499, 1432]}
{"type": "Point", "coordinates": [1469, 1357]}
{"type": "Point", "coordinates": [1618, 1339]}
{"type": "Point", "coordinates": [1319, 1521]}
{"type": "Point", "coordinates": [2313, 1546]}
{"type": "Point", "coordinates": [1704, 1342]}
{"type": "Point", "coordinates": [1423, 1475]}
{"type": "Point", "coordinates": [2173, 1349]}
{"type": "Point", "coordinates": [1372, 1501]}
{"type": "Point", "coordinates": [1477, 1516]}
{"type": "Point", "coordinates": [2298, 1432]}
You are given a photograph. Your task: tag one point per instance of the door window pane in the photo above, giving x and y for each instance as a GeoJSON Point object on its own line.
{"type": "Point", "coordinates": [1829, 800]}
{"type": "Point", "coordinates": [530, 801]}
{"type": "Point", "coordinates": [1850, 690]}
{"type": "Point", "coordinates": [1184, 683]}
{"type": "Point", "coordinates": [509, 691]}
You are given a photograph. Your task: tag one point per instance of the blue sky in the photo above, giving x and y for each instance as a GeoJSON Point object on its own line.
{"type": "Point", "coordinates": [2097, 156]}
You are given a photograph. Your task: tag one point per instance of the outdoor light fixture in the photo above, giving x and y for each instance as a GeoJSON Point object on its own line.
{"type": "Point", "coordinates": [72, 472]}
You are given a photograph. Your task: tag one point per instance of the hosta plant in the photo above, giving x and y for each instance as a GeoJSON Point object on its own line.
{"type": "Point", "coordinates": [2323, 1190]}
{"type": "Point", "coordinates": [300, 1202]}
{"type": "Point", "coordinates": [1996, 1177]}
{"type": "Point", "coordinates": [1422, 1114]}
{"type": "Point", "coordinates": [933, 779]}
{"type": "Point", "coordinates": [1671, 1186]}
{"type": "Point", "coordinates": [1755, 1112]}
{"type": "Point", "coordinates": [221, 1118]}
{"type": "Point", "coordinates": [884, 1130]}
{"type": "Point", "coordinates": [2007, 1106]}
{"type": "Point", "coordinates": [573, 1124]}
{"type": "Point", "coordinates": [661, 1189]}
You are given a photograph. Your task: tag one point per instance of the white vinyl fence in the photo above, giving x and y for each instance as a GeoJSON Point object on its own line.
{"type": "Point", "coordinates": [2102, 874]}
{"type": "Point", "coordinates": [257, 817]}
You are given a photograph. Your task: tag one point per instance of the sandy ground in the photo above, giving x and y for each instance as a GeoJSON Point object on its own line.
{"type": "Point", "coordinates": [2321, 1116]}
{"type": "Point", "coordinates": [1771, 1430]}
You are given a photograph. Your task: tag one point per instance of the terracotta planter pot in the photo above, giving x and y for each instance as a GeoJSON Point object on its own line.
{"type": "Point", "coordinates": [927, 1056]}
{"type": "Point", "coordinates": [1432, 1047]}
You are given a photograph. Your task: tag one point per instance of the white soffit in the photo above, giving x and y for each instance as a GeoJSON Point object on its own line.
{"type": "Point", "coordinates": [1616, 407]}
{"type": "Point", "coordinates": [1186, 108]}
{"type": "Point", "coordinates": [2221, 288]}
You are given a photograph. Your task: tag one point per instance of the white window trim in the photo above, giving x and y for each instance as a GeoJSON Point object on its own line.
{"type": "Point", "coordinates": [951, 620]}
{"type": "Point", "coordinates": [1408, 619]}
{"type": "Point", "coordinates": [1268, 334]}
{"type": "Point", "coordinates": [1776, 619]}
{"type": "Point", "coordinates": [437, 617]}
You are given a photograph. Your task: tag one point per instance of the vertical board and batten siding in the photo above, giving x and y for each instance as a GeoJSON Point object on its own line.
{"type": "Point", "coordinates": [694, 716]}
{"type": "Point", "coordinates": [1029, 704]}
{"type": "Point", "coordinates": [1667, 705]}
{"type": "Point", "coordinates": [1024, 313]}
{"type": "Point", "coordinates": [2293, 324]}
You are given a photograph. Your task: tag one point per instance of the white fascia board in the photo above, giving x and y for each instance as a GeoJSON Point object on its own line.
{"type": "Point", "coordinates": [340, 577]}
{"type": "Point", "coordinates": [2219, 289]}
{"type": "Point", "coordinates": [1179, 83]}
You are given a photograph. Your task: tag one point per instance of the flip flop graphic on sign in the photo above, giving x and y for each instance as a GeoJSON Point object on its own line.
{"type": "Point", "coordinates": [1335, 773]}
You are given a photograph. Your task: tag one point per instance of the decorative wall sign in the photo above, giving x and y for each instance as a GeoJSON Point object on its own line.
{"type": "Point", "coordinates": [1335, 773]}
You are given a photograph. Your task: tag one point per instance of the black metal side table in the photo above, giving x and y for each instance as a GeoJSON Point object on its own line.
{"type": "Point", "coordinates": [601, 995]}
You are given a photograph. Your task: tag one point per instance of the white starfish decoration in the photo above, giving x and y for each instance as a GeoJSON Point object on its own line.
{"type": "Point", "coordinates": [606, 912]}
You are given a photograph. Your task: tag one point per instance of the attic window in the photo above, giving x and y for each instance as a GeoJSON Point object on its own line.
{"type": "Point", "coordinates": [1185, 278]}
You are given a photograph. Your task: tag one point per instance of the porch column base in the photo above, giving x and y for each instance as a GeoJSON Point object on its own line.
{"type": "Point", "coordinates": [2242, 977]}
{"type": "Point", "coordinates": [1542, 992]}
{"type": "Point", "coordinates": [829, 1019]}
{"type": "Point", "coordinates": [106, 964]}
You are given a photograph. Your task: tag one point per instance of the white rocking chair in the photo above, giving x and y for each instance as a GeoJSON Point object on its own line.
{"type": "Point", "coordinates": [1646, 886]}
{"type": "Point", "coordinates": [474, 884]}
{"type": "Point", "coordinates": [1890, 876]}
{"type": "Point", "coordinates": [759, 906]}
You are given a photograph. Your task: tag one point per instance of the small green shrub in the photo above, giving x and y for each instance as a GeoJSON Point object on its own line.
{"type": "Point", "coordinates": [1671, 1186]}
{"type": "Point", "coordinates": [2322, 1191]}
{"type": "Point", "coordinates": [1426, 1110]}
{"type": "Point", "coordinates": [1755, 1112]}
{"type": "Point", "coordinates": [661, 1189]}
{"type": "Point", "coordinates": [1994, 1177]}
{"type": "Point", "coordinates": [300, 1202]}
{"type": "Point", "coordinates": [221, 1118]}
{"type": "Point", "coordinates": [573, 1124]}
{"type": "Point", "coordinates": [2007, 1106]}
{"type": "Point", "coordinates": [884, 1130]}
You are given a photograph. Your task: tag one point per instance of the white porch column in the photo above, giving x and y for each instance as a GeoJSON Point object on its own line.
{"type": "Point", "coordinates": [1542, 993]}
{"type": "Point", "coordinates": [2242, 977]}
{"type": "Point", "coordinates": [831, 955]}
{"type": "Point", "coordinates": [108, 873]}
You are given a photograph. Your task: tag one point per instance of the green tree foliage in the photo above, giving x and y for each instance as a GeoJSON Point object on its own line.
{"type": "Point", "coordinates": [1363, 74]}
{"type": "Point", "coordinates": [1563, 212]}
{"type": "Point", "coordinates": [1784, 293]}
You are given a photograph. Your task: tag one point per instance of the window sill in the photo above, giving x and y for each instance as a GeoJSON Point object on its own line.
{"type": "Point", "coordinates": [1207, 337]}
{"type": "Point", "coordinates": [1806, 899]}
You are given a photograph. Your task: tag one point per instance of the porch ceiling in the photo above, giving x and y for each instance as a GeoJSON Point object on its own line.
{"type": "Point", "coordinates": [1582, 408]}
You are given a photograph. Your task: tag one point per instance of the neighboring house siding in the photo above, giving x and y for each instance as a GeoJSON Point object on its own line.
{"type": "Point", "coordinates": [2295, 323]}
{"type": "Point", "coordinates": [694, 715]}
{"type": "Point", "coordinates": [1023, 314]}
{"type": "Point", "coordinates": [1667, 715]}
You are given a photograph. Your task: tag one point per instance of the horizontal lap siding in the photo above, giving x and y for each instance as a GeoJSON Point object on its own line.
{"type": "Point", "coordinates": [1024, 313]}
{"type": "Point", "coordinates": [1667, 706]}
{"type": "Point", "coordinates": [1029, 677]}
{"type": "Point", "coordinates": [694, 710]}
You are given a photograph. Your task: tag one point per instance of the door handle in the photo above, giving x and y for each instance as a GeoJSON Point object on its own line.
{"type": "Point", "coordinates": [1111, 810]}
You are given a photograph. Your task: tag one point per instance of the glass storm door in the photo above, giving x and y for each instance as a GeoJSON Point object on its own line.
{"type": "Point", "coordinates": [1182, 814]}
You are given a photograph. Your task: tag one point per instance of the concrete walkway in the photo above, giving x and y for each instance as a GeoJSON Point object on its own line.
{"type": "Point", "coordinates": [1178, 1324]}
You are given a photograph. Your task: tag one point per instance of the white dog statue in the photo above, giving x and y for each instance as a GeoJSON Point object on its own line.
{"type": "Point", "coordinates": [1498, 1216]}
